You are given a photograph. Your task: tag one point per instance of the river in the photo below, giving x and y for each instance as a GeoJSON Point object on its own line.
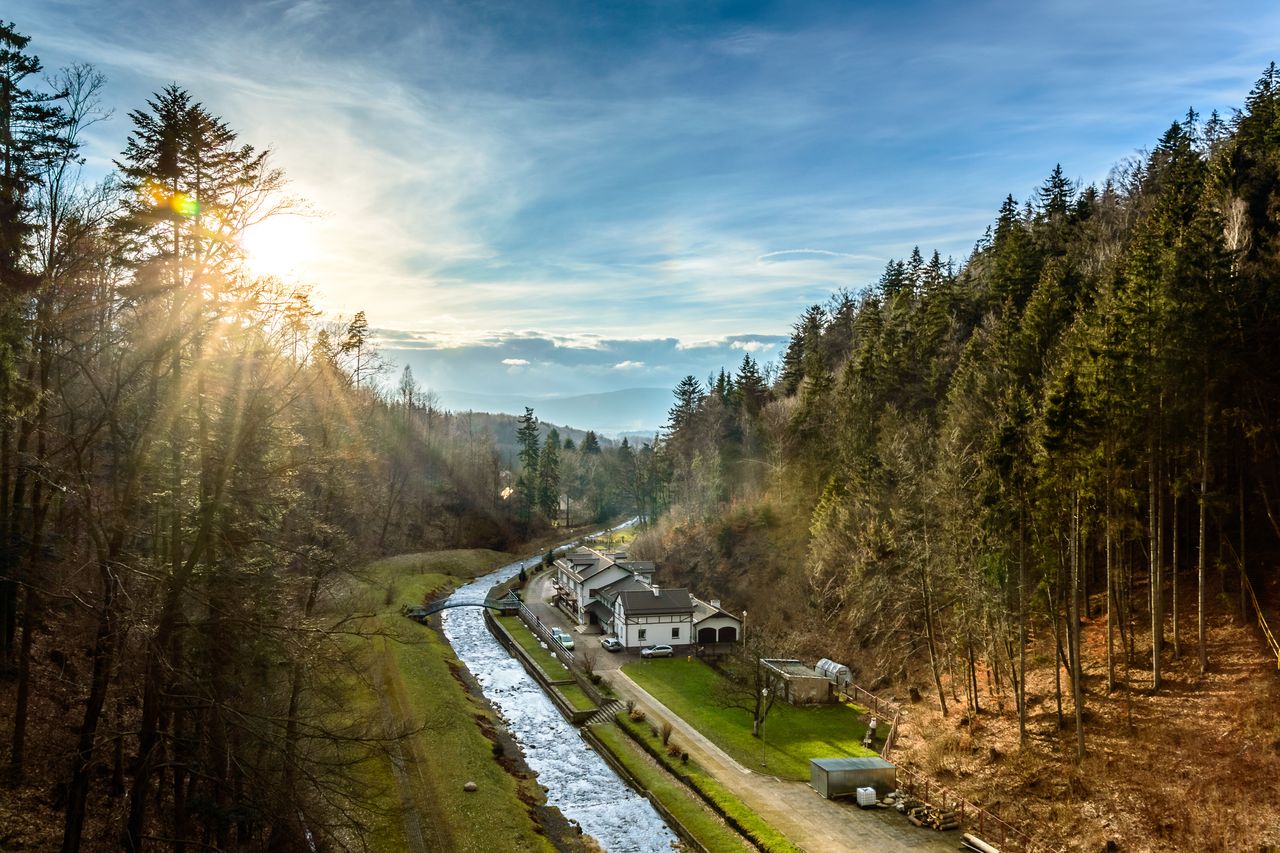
{"type": "Point", "coordinates": [580, 784]}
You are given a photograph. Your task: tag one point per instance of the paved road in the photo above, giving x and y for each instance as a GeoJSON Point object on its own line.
{"type": "Point", "coordinates": [793, 808]}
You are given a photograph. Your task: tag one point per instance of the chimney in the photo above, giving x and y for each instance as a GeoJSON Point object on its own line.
{"type": "Point", "coordinates": [655, 590]}
{"type": "Point", "coordinates": [715, 602]}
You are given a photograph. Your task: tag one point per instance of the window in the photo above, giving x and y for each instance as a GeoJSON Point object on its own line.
{"type": "Point", "coordinates": [675, 633]}
{"type": "Point", "coordinates": [642, 634]}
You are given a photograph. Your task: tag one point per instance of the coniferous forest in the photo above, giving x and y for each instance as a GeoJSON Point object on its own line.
{"type": "Point", "coordinates": [1061, 452]}
{"type": "Point", "coordinates": [194, 465]}
{"type": "Point", "coordinates": [1023, 485]}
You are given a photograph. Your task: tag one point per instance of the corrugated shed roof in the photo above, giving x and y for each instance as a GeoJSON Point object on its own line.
{"type": "Point", "coordinates": [837, 764]}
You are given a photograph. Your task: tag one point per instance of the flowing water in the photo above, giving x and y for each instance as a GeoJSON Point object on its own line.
{"type": "Point", "coordinates": [581, 785]}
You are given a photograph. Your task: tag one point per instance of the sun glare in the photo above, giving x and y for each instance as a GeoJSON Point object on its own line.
{"type": "Point", "coordinates": [278, 246]}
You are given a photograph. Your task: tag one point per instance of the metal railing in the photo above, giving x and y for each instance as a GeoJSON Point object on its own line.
{"type": "Point", "coordinates": [882, 708]}
{"type": "Point", "coordinates": [972, 816]}
{"type": "Point", "coordinates": [1262, 620]}
{"type": "Point", "coordinates": [542, 632]}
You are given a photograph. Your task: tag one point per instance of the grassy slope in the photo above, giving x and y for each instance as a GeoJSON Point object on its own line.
{"type": "Point", "coordinates": [792, 735]}
{"type": "Point", "coordinates": [764, 835]}
{"type": "Point", "coordinates": [705, 826]}
{"type": "Point", "coordinates": [411, 667]}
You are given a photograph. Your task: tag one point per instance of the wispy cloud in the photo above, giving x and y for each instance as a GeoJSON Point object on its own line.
{"type": "Point", "coordinates": [482, 169]}
{"type": "Point", "coordinates": [515, 362]}
{"type": "Point", "coordinates": [628, 365]}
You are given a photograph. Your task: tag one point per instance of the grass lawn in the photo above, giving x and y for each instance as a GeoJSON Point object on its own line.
{"type": "Point", "coordinates": [761, 832]}
{"type": "Point", "coordinates": [520, 632]}
{"type": "Point", "coordinates": [792, 735]}
{"type": "Point", "coordinates": [409, 671]}
{"type": "Point", "coordinates": [577, 697]}
{"type": "Point", "coordinates": [687, 807]}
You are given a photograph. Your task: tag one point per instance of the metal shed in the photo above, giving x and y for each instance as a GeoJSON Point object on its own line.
{"type": "Point", "coordinates": [836, 777]}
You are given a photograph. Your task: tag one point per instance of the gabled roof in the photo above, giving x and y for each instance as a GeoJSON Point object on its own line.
{"type": "Point", "coordinates": [703, 610]}
{"type": "Point", "coordinates": [642, 567]}
{"type": "Point", "coordinates": [584, 563]}
{"type": "Point", "coordinates": [609, 592]}
{"type": "Point", "coordinates": [649, 601]}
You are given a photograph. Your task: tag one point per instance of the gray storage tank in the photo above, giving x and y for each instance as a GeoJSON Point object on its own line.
{"type": "Point", "coordinates": [838, 777]}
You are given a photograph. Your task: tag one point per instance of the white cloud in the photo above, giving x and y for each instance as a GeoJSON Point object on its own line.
{"type": "Point", "coordinates": [628, 365]}
{"type": "Point", "coordinates": [515, 362]}
{"type": "Point", "coordinates": [753, 346]}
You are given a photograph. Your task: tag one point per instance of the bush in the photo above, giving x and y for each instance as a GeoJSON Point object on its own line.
{"type": "Point", "coordinates": [636, 715]}
{"type": "Point", "coordinates": [674, 750]}
{"type": "Point", "coordinates": [684, 758]}
{"type": "Point", "coordinates": [631, 705]}
{"type": "Point", "coordinates": [666, 733]}
{"type": "Point", "coordinates": [498, 749]}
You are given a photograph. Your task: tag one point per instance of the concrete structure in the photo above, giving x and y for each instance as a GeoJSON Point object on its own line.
{"type": "Point", "coordinates": [837, 777]}
{"type": "Point", "coordinates": [800, 685]}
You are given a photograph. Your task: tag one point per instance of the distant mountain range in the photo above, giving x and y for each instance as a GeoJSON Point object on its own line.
{"type": "Point", "coordinates": [634, 412]}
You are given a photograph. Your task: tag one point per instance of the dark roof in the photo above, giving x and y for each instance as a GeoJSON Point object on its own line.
{"type": "Point", "coordinates": [852, 763]}
{"type": "Point", "coordinates": [642, 566]}
{"type": "Point", "coordinates": [645, 601]}
{"type": "Point", "coordinates": [609, 592]}
{"type": "Point", "coordinates": [601, 610]}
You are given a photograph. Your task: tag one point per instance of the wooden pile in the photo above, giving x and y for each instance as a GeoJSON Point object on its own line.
{"type": "Point", "coordinates": [924, 815]}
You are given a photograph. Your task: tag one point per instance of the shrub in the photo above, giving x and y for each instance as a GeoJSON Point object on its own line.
{"type": "Point", "coordinates": [666, 733]}
{"type": "Point", "coordinates": [631, 705]}
{"type": "Point", "coordinates": [637, 715]}
{"type": "Point", "coordinates": [684, 758]}
{"type": "Point", "coordinates": [674, 750]}
{"type": "Point", "coordinates": [498, 749]}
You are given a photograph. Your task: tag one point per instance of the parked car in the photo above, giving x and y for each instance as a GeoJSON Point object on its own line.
{"type": "Point", "coordinates": [611, 644]}
{"type": "Point", "coordinates": [563, 638]}
{"type": "Point", "coordinates": [657, 652]}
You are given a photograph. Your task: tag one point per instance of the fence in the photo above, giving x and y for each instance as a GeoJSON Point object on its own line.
{"type": "Point", "coordinates": [972, 817]}
{"type": "Point", "coordinates": [882, 708]}
{"type": "Point", "coordinates": [541, 631]}
{"type": "Point", "coordinates": [1262, 620]}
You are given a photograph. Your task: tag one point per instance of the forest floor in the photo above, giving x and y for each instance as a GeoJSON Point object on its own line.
{"type": "Point", "coordinates": [1191, 767]}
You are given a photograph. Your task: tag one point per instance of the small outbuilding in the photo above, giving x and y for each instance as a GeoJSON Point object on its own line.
{"type": "Point", "coordinates": [799, 684]}
{"type": "Point", "coordinates": [838, 777]}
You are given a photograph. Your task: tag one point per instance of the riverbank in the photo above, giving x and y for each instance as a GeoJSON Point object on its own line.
{"type": "Point", "coordinates": [441, 732]}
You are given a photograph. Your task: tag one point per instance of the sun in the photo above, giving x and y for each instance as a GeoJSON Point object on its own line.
{"type": "Point", "coordinates": [280, 245]}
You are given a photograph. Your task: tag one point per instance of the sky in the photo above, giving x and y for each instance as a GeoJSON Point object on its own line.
{"type": "Point", "coordinates": [534, 199]}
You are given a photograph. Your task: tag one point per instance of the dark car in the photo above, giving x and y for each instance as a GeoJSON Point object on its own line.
{"type": "Point", "coordinates": [611, 644]}
{"type": "Point", "coordinates": [657, 652]}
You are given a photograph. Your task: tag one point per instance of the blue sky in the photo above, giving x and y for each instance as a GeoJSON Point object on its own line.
{"type": "Point", "coordinates": [583, 185]}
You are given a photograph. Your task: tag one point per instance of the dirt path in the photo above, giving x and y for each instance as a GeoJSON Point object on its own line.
{"type": "Point", "coordinates": [793, 808]}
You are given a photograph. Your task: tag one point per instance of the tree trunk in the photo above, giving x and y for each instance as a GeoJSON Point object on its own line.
{"type": "Point", "coordinates": [1153, 517]}
{"type": "Point", "coordinates": [1201, 557]}
{"type": "Point", "coordinates": [1173, 574]}
{"type": "Point", "coordinates": [1111, 594]}
{"type": "Point", "coordinates": [1077, 690]}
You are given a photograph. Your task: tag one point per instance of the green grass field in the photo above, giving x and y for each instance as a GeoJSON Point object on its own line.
{"type": "Point", "coordinates": [408, 669]}
{"type": "Point", "coordinates": [761, 832]}
{"type": "Point", "coordinates": [548, 662]}
{"type": "Point", "coordinates": [792, 735]}
{"type": "Point", "coordinates": [687, 807]}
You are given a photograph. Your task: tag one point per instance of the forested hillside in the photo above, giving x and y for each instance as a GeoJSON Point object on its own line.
{"type": "Point", "coordinates": [1075, 427]}
{"type": "Point", "coordinates": [193, 466]}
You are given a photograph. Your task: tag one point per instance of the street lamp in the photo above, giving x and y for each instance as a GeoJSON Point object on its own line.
{"type": "Point", "coordinates": [764, 708]}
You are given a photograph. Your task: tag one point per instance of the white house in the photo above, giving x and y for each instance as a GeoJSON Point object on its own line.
{"type": "Point", "coordinates": [583, 573]}
{"type": "Point", "coordinates": [652, 616]}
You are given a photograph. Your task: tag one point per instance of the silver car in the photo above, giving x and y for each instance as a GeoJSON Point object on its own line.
{"type": "Point", "coordinates": [657, 652]}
